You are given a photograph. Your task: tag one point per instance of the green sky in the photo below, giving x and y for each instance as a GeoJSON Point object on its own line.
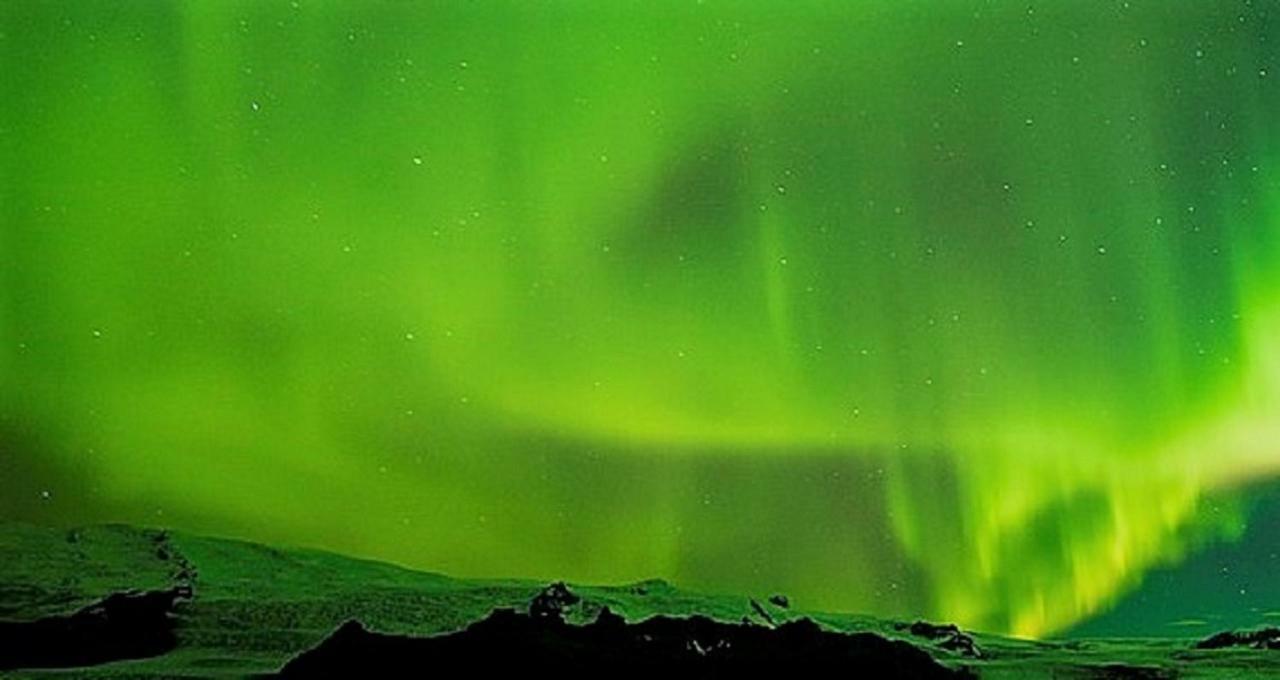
{"type": "Point", "coordinates": [947, 309]}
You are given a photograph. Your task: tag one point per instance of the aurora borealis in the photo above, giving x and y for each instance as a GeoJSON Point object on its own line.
{"type": "Point", "coordinates": [967, 310]}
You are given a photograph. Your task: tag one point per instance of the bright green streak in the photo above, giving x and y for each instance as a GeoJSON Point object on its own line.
{"type": "Point", "coordinates": [947, 309]}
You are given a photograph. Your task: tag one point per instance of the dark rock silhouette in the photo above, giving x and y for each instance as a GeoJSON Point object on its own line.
{"type": "Point", "coordinates": [779, 600]}
{"type": "Point", "coordinates": [948, 636]}
{"type": "Point", "coordinates": [553, 601]}
{"type": "Point", "coordinates": [123, 626]}
{"type": "Point", "coordinates": [1264, 638]}
{"type": "Point", "coordinates": [760, 611]}
{"type": "Point", "coordinates": [510, 642]}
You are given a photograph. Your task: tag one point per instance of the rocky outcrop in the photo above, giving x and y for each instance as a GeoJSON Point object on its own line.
{"type": "Point", "coordinates": [129, 625]}
{"type": "Point", "coordinates": [511, 642]}
{"type": "Point", "coordinates": [1263, 638]}
{"type": "Point", "coordinates": [947, 636]}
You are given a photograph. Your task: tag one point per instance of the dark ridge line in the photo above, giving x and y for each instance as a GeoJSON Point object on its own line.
{"type": "Point", "coordinates": [947, 636]}
{"type": "Point", "coordinates": [1262, 638]}
{"type": "Point", "coordinates": [129, 625]}
{"type": "Point", "coordinates": [507, 641]}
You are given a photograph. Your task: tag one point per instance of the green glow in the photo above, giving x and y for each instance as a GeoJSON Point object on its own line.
{"type": "Point", "coordinates": [947, 309]}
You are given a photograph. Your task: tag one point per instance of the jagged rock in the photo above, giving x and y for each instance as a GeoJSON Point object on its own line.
{"type": "Point", "coordinates": [948, 636]}
{"type": "Point", "coordinates": [126, 625]}
{"type": "Point", "coordinates": [510, 642]}
{"type": "Point", "coordinates": [779, 600]}
{"type": "Point", "coordinates": [608, 620]}
{"type": "Point", "coordinates": [1263, 638]}
{"type": "Point", "coordinates": [553, 601]}
{"type": "Point", "coordinates": [762, 613]}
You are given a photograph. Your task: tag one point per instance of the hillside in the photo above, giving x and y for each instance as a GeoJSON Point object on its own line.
{"type": "Point", "coordinates": [239, 608]}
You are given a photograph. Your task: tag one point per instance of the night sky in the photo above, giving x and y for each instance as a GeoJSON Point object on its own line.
{"type": "Point", "coordinates": [967, 310]}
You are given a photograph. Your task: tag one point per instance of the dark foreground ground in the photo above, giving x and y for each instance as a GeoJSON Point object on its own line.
{"type": "Point", "coordinates": [114, 601]}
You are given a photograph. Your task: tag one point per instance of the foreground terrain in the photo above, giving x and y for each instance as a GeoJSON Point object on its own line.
{"type": "Point", "coordinates": [124, 601]}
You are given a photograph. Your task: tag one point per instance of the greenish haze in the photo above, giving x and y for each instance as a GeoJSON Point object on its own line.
{"type": "Point", "coordinates": [958, 309]}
